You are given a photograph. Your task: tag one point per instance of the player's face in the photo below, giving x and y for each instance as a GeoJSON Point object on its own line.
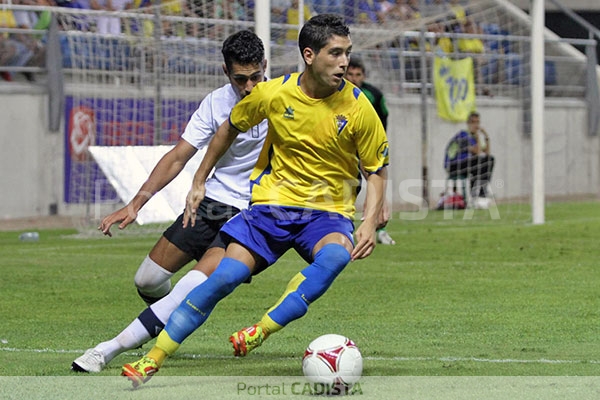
{"type": "Point", "coordinates": [355, 75]}
{"type": "Point", "coordinates": [243, 78]}
{"type": "Point", "coordinates": [473, 124]}
{"type": "Point", "coordinates": [329, 65]}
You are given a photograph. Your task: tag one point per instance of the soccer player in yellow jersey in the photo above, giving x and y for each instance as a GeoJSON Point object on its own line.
{"type": "Point", "coordinates": [303, 189]}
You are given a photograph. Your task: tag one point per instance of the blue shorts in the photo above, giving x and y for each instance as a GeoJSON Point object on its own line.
{"type": "Point", "coordinates": [270, 231]}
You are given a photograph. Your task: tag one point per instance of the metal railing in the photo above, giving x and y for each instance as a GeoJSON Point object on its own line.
{"type": "Point", "coordinates": [396, 64]}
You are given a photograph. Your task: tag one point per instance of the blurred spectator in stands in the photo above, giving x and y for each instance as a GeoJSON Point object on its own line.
{"type": "Point", "coordinates": [278, 7]}
{"type": "Point", "coordinates": [389, 10]}
{"type": "Point", "coordinates": [286, 12]}
{"type": "Point", "coordinates": [442, 45]}
{"type": "Point", "coordinates": [413, 6]}
{"type": "Point", "coordinates": [474, 47]}
{"type": "Point", "coordinates": [182, 9]}
{"type": "Point", "coordinates": [292, 17]}
{"type": "Point", "coordinates": [33, 20]}
{"type": "Point", "coordinates": [79, 22]}
{"type": "Point", "coordinates": [398, 10]}
{"type": "Point", "coordinates": [238, 10]}
{"type": "Point", "coordinates": [108, 24]}
{"type": "Point", "coordinates": [436, 8]}
{"type": "Point", "coordinates": [7, 52]}
{"type": "Point", "coordinates": [14, 53]}
{"type": "Point", "coordinates": [458, 13]}
{"type": "Point", "coordinates": [471, 45]}
{"type": "Point", "coordinates": [142, 27]}
{"type": "Point", "coordinates": [328, 6]}
{"type": "Point", "coordinates": [361, 11]}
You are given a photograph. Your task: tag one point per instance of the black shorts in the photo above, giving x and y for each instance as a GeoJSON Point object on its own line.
{"type": "Point", "coordinates": [195, 240]}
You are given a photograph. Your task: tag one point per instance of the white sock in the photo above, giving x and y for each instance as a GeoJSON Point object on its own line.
{"type": "Point", "coordinates": [131, 337]}
{"type": "Point", "coordinates": [165, 306]}
{"type": "Point", "coordinates": [136, 334]}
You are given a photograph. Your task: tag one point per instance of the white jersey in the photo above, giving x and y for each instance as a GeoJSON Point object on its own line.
{"type": "Point", "coordinates": [230, 182]}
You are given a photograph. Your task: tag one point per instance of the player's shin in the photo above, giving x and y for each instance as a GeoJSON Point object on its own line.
{"type": "Point", "coordinates": [309, 285]}
{"type": "Point", "coordinates": [199, 303]}
{"type": "Point", "coordinates": [156, 316]}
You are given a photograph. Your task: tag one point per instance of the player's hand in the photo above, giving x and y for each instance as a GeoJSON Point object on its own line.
{"type": "Point", "coordinates": [365, 240]}
{"type": "Point", "coordinates": [192, 201]}
{"type": "Point", "coordinates": [125, 216]}
{"type": "Point", "coordinates": [384, 215]}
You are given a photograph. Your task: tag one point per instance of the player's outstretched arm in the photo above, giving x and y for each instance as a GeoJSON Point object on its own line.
{"type": "Point", "coordinates": [218, 145]}
{"type": "Point", "coordinates": [385, 214]}
{"type": "Point", "coordinates": [365, 234]}
{"type": "Point", "coordinates": [167, 168]}
{"type": "Point", "coordinates": [486, 138]}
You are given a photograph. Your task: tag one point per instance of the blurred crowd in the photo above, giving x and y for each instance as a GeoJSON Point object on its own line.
{"type": "Point", "coordinates": [20, 48]}
{"type": "Point", "coordinates": [27, 49]}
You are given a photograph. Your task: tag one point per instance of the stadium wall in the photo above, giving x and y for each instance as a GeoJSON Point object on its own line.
{"type": "Point", "coordinates": [33, 167]}
{"type": "Point", "coordinates": [31, 156]}
{"type": "Point", "coordinates": [571, 164]}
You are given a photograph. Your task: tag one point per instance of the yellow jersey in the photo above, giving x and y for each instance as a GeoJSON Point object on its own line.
{"type": "Point", "coordinates": [473, 45]}
{"type": "Point", "coordinates": [310, 158]}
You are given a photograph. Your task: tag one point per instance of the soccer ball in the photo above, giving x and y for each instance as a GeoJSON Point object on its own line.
{"type": "Point", "coordinates": [332, 364]}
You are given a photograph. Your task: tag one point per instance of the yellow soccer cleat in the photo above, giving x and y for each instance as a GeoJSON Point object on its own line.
{"type": "Point", "coordinates": [140, 371]}
{"type": "Point", "coordinates": [247, 339]}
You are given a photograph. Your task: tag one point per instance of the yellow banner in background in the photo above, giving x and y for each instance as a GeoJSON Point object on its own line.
{"type": "Point", "coordinates": [454, 88]}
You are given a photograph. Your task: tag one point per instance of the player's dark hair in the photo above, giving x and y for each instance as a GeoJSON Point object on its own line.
{"type": "Point", "coordinates": [317, 31]}
{"type": "Point", "coordinates": [243, 48]}
{"type": "Point", "coordinates": [356, 62]}
{"type": "Point", "coordinates": [472, 114]}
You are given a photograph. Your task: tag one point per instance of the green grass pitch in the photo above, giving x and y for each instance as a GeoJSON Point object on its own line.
{"type": "Point", "coordinates": [454, 297]}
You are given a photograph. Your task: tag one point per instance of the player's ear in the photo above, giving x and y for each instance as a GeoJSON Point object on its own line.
{"type": "Point", "coordinates": [225, 69]}
{"type": "Point", "coordinates": [308, 54]}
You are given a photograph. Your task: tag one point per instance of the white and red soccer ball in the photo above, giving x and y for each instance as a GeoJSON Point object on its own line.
{"type": "Point", "coordinates": [332, 364]}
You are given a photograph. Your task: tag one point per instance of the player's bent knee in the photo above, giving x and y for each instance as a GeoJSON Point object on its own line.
{"type": "Point", "coordinates": [151, 276]}
{"type": "Point", "coordinates": [333, 257]}
{"type": "Point", "coordinates": [153, 282]}
{"type": "Point", "coordinates": [229, 275]}
{"type": "Point", "coordinates": [328, 263]}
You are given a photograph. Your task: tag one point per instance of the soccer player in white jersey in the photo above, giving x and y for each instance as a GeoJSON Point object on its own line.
{"type": "Point", "coordinates": [227, 192]}
{"type": "Point", "coordinates": [303, 188]}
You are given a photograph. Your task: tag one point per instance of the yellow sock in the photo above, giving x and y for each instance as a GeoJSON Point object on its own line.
{"type": "Point", "coordinates": [269, 326]}
{"type": "Point", "coordinates": [165, 346]}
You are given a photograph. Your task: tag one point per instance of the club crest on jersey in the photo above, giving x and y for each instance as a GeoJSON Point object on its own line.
{"type": "Point", "coordinates": [341, 122]}
{"type": "Point", "coordinates": [289, 113]}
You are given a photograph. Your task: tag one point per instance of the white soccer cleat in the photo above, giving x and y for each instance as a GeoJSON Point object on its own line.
{"type": "Point", "coordinates": [481, 203]}
{"type": "Point", "coordinates": [384, 238]}
{"type": "Point", "coordinates": [91, 361]}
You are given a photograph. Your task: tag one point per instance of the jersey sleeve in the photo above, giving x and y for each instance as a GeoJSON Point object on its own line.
{"type": "Point", "coordinates": [250, 111]}
{"type": "Point", "coordinates": [201, 126]}
{"type": "Point", "coordinates": [371, 139]}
